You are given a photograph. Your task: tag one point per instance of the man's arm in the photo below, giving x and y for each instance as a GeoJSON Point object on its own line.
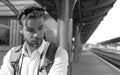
{"type": "Point", "coordinates": [60, 65]}
{"type": "Point", "coordinates": [6, 68]}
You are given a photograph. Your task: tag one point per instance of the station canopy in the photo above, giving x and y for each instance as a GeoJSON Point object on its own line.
{"type": "Point", "coordinates": [88, 14]}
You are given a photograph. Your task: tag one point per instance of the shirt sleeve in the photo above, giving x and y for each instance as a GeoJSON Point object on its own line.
{"type": "Point", "coordinates": [60, 65]}
{"type": "Point", "coordinates": [6, 67]}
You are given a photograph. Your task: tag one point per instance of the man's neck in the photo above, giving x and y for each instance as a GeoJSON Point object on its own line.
{"type": "Point", "coordinates": [30, 48]}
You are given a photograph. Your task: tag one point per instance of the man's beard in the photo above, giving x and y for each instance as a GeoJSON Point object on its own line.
{"type": "Point", "coordinates": [35, 43]}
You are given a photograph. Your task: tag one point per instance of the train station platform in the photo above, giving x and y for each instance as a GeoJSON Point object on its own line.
{"type": "Point", "coordinates": [91, 64]}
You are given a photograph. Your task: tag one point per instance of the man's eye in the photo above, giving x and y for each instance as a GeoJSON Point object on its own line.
{"type": "Point", "coordinates": [40, 28]}
{"type": "Point", "coordinates": [30, 29]}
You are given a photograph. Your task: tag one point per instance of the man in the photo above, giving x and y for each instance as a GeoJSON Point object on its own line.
{"type": "Point", "coordinates": [32, 58]}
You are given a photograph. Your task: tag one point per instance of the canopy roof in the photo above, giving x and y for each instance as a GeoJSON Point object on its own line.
{"type": "Point", "coordinates": [111, 41]}
{"type": "Point", "coordinates": [87, 13]}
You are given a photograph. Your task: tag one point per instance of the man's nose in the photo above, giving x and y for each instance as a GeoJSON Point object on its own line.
{"type": "Point", "coordinates": [35, 34]}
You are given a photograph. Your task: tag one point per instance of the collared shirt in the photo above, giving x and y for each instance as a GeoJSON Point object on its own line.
{"type": "Point", "coordinates": [30, 63]}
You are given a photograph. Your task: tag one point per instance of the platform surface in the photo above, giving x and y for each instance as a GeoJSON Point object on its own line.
{"type": "Point", "coordinates": [90, 64]}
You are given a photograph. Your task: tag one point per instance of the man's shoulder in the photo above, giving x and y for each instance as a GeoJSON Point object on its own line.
{"type": "Point", "coordinates": [10, 52]}
{"type": "Point", "coordinates": [62, 52]}
{"type": "Point", "coordinates": [16, 53]}
{"type": "Point", "coordinates": [17, 48]}
{"type": "Point", "coordinates": [61, 56]}
{"type": "Point", "coordinates": [59, 51]}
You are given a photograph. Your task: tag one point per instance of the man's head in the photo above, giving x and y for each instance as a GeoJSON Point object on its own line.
{"type": "Point", "coordinates": [31, 22]}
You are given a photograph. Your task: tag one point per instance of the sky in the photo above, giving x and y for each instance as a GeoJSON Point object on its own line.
{"type": "Point", "coordinates": [109, 27]}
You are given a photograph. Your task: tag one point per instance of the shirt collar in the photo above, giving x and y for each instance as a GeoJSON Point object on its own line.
{"type": "Point", "coordinates": [27, 52]}
{"type": "Point", "coordinates": [42, 47]}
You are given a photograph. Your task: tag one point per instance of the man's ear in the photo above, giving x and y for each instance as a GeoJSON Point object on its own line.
{"type": "Point", "coordinates": [20, 28]}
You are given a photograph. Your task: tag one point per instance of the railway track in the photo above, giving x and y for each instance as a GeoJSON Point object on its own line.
{"type": "Point", "coordinates": [110, 56]}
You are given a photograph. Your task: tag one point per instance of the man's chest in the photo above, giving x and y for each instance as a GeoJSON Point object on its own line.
{"type": "Point", "coordinates": [31, 66]}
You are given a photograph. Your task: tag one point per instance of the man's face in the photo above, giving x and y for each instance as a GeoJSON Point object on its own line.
{"type": "Point", "coordinates": [33, 31]}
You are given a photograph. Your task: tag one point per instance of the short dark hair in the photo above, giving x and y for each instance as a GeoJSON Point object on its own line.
{"type": "Point", "coordinates": [32, 12]}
